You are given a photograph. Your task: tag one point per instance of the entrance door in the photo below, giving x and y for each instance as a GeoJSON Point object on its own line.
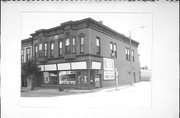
{"type": "Point", "coordinates": [134, 76]}
{"type": "Point", "coordinates": [97, 81]}
{"type": "Point", "coordinates": [82, 79]}
{"type": "Point", "coordinates": [50, 78]}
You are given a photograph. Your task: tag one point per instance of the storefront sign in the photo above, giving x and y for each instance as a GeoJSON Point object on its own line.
{"type": "Point", "coordinates": [64, 66]}
{"type": "Point", "coordinates": [96, 65]}
{"type": "Point", "coordinates": [51, 67]}
{"type": "Point", "coordinates": [109, 75]}
{"type": "Point", "coordinates": [108, 64]}
{"type": "Point", "coordinates": [79, 65]}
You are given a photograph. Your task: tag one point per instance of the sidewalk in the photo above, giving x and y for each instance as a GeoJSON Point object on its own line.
{"type": "Point", "coordinates": [43, 92]}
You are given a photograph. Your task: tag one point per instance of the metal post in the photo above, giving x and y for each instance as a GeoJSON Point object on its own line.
{"type": "Point", "coordinates": [130, 58]}
{"type": "Point", "coordinates": [88, 78]}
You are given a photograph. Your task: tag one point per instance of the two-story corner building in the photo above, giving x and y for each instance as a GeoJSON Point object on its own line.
{"type": "Point", "coordinates": [84, 54]}
{"type": "Point", "coordinates": [26, 55]}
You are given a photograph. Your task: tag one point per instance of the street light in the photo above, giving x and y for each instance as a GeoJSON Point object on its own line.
{"type": "Point", "coordinates": [130, 32]}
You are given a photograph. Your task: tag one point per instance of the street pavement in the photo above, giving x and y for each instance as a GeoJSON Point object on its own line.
{"type": "Point", "coordinates": [52, 92]}
{"type": "Point", "coordinates": [136, 96]}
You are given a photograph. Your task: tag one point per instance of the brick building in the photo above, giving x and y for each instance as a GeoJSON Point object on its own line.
{"type": "Point", "coordinates": [83, 54]}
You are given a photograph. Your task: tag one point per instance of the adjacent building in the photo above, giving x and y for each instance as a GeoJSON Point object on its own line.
{"type": "Point", "coordinates": [82, 54]}
{"type": "Point", "coordinates": [26, 55]}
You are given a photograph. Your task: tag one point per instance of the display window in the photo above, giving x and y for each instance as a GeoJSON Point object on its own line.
{"type": "Point", "coordinates": [75, 78]}
{"type": "Point", "coordinates": [67, 77]}
{"type": "Point", "coordinates": [78, 78]}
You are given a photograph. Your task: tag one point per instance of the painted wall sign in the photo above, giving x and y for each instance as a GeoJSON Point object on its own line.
{"type": "Point", "coordinates": [109, 75]}
{"type": "Point", "coordinates": [51, 67]}
{"type": "Point", "coordinates": [108, 64]}
{"type": "Point", "coordinates": [79, 65]}
{"type": "Point", "coordinates": [64, 66]}
{"type": "Point", "coordinates": [96, 65]}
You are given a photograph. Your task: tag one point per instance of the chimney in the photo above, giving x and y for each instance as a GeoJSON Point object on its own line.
{"type": "Point", "coordinates": [100, 22]}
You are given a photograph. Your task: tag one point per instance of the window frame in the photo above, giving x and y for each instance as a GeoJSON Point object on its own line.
{"type": "Point", "coordinates": [36, 52]}
{"type": "Point", "coordinates": [111, 49]}
{"type": "Point", "coordinates": [82, 46]}
{"type": "Point", "coordinates": [51, 50]}
{"type": "Point", "coordinates": [133, 57]}
{"type": "Point", "coordinates": [115, 50]}
{"type": "Point", "coordinates": [98, 45]}
{"type": "Point", "coordinates": [45, 49]}
{"type": "Point", "coordinates": [67, 47]}
{"type": "Point", "coordinates": [73, 45]}
{"type": "Point", "coordinates": [60, 50]}
{"type": "Point", "coordinates": [127, 53]}
{"type": "Point", "coordinates": [40, 50]}
{"type": "Point", "coordinates": [28, 54]}
{"type": "Point", "coordinates": [22, 55]}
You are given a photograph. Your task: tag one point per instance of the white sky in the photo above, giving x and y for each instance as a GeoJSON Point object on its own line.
{"type": "Point", "coordinates": [121, 22]}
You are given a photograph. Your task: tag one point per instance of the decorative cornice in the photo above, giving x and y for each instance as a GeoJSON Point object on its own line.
{"type": "Point", "coordinates": [89, 23]}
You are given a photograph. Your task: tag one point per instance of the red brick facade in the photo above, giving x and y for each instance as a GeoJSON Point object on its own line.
{"type": "Point", "coordinates": [87, 42]}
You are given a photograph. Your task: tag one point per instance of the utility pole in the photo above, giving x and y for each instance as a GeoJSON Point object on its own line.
{"type": "Point", "coordinates": [130, 58]}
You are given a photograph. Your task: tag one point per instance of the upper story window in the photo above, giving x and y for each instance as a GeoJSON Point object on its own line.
{"type": "Point", "coordinates": [60, 48]}
{"type": "Point", "coordinates": [98, 45]}
{"type": "Point", "coordinates": [115, 50]}
{"type": "Point", "coordinates": [45, 49]}
{"type": "Point", "coordinates": [111, 49]}
{"type": "Point", "coordinates": [73, 45]}
{"type": "Point", "coordinates": [22, 55]}
{"type": "Point", "coordinates": [67, 45]}
{"type": "Point", "coordinates": [40, 50]}
{"type": "Point", "coordinates": [52, 49]}
{"type": "Point", "coordinates": [28, 54]}
{"type": "Point", "coordinates": [127, 54]}
{"type": "Point", "coordinates": [36, 51]}
{"type": "Point", "coordinates": [133, 59]}
{"type": "Point", "coordinates": [81, 44]}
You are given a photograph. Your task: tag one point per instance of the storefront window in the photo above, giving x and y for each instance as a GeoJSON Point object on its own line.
{"type": "Point", "coordinates": [78, 78]}
{"type": "Point", "coordinates": [67, 77]}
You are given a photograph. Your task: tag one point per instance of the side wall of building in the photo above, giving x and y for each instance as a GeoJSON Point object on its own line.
{"type": "Point", "coordinates": [123, 66]}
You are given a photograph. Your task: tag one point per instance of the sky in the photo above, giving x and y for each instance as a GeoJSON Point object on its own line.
{"type": "Point", "coordinates": [120, 22]}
